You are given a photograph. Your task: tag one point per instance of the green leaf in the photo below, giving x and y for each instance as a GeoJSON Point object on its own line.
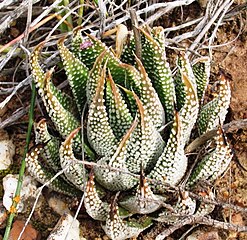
{"type": "Point", "coordinates": [116, 228]}
{"type": "Point", "coordinates": [207, 113]}
{"type": "Point", "coordinates": [51, 144]}
{"type": "Point", "coordinates": [145, 144]}
{"type": "Point", "coordinates": [43, 175]}
{"type": "Point", "coordinates": [157, 67]}
{"type": "Point", "coordinates": [213, 164]}
{"type": "Point", "coordinates": [87, 50]}
{"type": "Point", "coordinates": [217, 109]}
{"type": "Point", "coordinates": [99, 132]}
{"type": "Point", "coordinates": [39, 78]}
{"type": "Point", "coordinates": [172, 164]}
{"type": "Point", "coordinates": [119, 114]}
{"type": "Point", "coordinates": [77, 74]}
{"type": "Point", "coordinates": [144, 201]}
{"type": "Point", "coordinates": [95, 207]}
{"type": "Point", "coordinates": [74, 170]}
{"type": "Point", "coordinates": [150, 99]}
{"type": "Point", "coordinates": [64, 121]}
{"type": "Point", "coordinates": [201, 70]}
{"type": "Point", "coordinates": [115, 180]}
{"type": "Point", "coordinates": [189, 111]}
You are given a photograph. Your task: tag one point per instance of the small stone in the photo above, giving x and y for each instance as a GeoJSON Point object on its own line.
{"type": "Point", "coordinates": [28, 190]}
{"type": "Point", "coordinates": [58, 206]}
{"type": "Point", "coordinates": [105, 237]}
{"type": "Point", "coordinates": [29, 234]}
{"type": "Point", "coordinates": [7, 151]}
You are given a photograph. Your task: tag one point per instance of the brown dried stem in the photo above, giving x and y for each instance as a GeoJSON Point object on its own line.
{"type": "Point", "coordinates": [137, 35]}
{"type": "Point", "coordinates": [229, 127]}
{"type": "Point", "coordinates": [201, 220]}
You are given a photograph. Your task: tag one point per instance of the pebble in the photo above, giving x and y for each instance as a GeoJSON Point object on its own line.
{"type": "Point", "coordinates": [28, 190]}
{"type": "Point", "coordinates": [58, 205]}
{"type": "Point", "coordinates": [105, 237]}
{"type": "Point", "coordinates": [29, 234]}
{"type": "Point", "coordinates": [7, 151]}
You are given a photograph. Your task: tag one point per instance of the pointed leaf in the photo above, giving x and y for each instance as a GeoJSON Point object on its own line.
{"type": "Point", "coordinates": [74, 170]}
{"type": "Point", "coordinates": [208, 122]}
{"type": "Point", "coordinates": [64, 121]}
{"type": "Point", "coordinates": [117, 229]}
{"type": "Point", "coordinates": [145, 144]}
{"type": "Point", "coordinates": [201, 70]}
{"type": "Point", "coordinates": [207, 113]}
{"type": "Point", "coordinates": [150, 98]}
{"type": "Point", "coordinates": [94, 77]}
{"type": "Point", "coordinates": [144, 201]}
{"type": "Point", "coordinates": [51, 148]}
{"type": "Point", "coordinates": [43, 175]}
{"type": "Point", "coordinates": [77, 74]}
{"type": "Point", "coordinates": [39, 78]}
{"type": "Point", "coordinates": [115, 180]}
{"type": "Point", "coordinates": [99, 132]}
{"type": "Point", "coordinates": [184, 207]}
{"type": "Point", "coordinates": [90, 48]}
{"type": "Point", "coordinates": [119, 114]}
{"type": "Point", "coordinates": [213, 164]}
{"type": "Point", "coordinates": [95, 207]}
{"type": "Point", "coordinates": [154, 61]}
{"type": "Point", "coordinates": [172, 164]}
{"type": "Point", "coordinates": [189, 111]}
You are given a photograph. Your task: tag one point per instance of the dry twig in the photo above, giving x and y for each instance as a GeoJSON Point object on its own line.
{"type": "Point", "coordinates": [137, 35]}
{"type": "Point", "coordinates": [200, 220]}
{"type": "Point", "coordinates": [9, 18]}
{"type": "Point", "coordinates": [229, 127]}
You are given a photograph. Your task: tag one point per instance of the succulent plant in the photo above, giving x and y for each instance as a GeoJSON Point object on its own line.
{"type": "Point", "coordinates": [116, 116]}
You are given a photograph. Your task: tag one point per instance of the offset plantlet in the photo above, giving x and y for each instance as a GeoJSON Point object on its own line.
{"type": "Point", "coordinates": [213, 164]}
{"type": "Point", "coordinates": [74, 170]}
{"type": "Point", "coordinates": [217, 108]}
{"type": "Point", "coordinates": [127, 101]}
{"type": "Point", "coordinates": [43, 174]}
{"type": "Point", "coordinates": [51, 148]}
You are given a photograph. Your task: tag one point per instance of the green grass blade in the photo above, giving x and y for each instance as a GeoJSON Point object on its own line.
{"type": "Point", "coordinates": [23, 163]}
